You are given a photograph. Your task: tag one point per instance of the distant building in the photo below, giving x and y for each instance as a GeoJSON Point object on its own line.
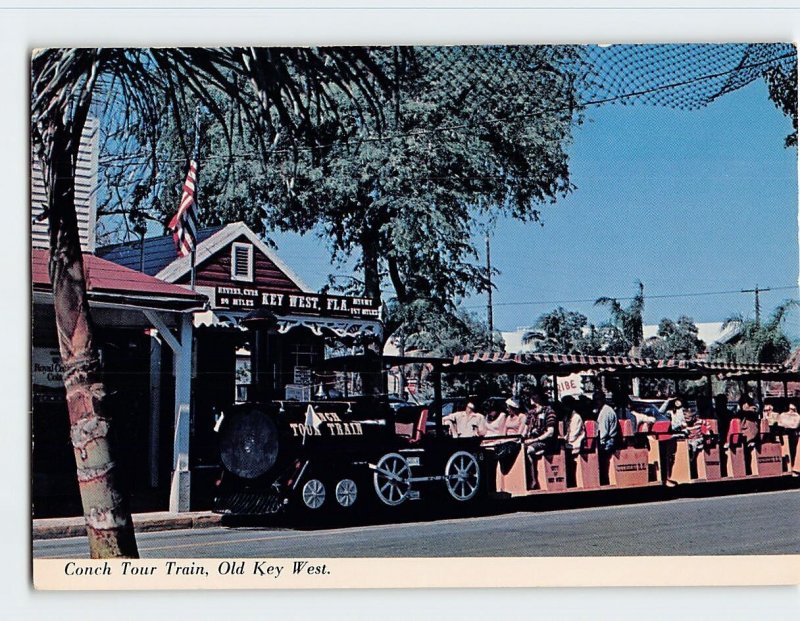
{"type": "Point", "coordinates": [85, 192]}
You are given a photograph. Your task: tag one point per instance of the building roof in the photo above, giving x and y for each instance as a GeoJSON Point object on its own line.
{"type": "Point", "coordinates": [157, 254]}
{"type": "Point", "coordinates": [109, 282]}
{"type": "Point", "coordinates": [217, 241]}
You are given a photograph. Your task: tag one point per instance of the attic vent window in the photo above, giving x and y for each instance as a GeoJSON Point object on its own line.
{"type": "Point", "coordinates": [242, 262]}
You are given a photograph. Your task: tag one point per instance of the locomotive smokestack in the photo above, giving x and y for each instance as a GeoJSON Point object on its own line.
{"type": "Point", "coordinates": [261, 323]}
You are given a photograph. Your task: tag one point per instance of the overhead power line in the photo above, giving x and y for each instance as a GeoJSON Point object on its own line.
{"type": "Point", "coordinates": [626, 298]}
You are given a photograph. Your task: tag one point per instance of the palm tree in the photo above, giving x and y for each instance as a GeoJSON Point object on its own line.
{"type": "Point", "coordinates": [288, 90]}
{"type": "Point", "coordinates": [629, 321]}
{"type": "Point", "coordinates": [758, 342]}
{"type": "Point", "coordinates": [559, 331]}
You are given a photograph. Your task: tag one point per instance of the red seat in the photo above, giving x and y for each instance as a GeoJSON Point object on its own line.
{"type": "Point", "coordinates": [735, 436]}
{"type": "Point", "coordinates": [419, 431]}
{"type": "Point", "coordinates": [626, 427]}
{"type": "Point", "coordinates": [662, 430]}
{"type": "Point", "coordinates": [592, 433]}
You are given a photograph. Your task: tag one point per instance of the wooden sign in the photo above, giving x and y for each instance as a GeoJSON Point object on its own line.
{"type": "Point", "coordinates": [316, 304]}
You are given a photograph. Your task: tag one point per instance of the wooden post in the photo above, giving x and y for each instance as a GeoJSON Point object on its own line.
{"type": "Point", "coordinates": [154, 439]}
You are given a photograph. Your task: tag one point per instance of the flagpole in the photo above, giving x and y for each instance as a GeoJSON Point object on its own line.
{"type": "Point", "coordinates": [197, 182]}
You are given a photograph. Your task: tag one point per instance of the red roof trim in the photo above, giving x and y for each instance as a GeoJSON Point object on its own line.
{"type": "Point", "coordinates": [105, 276]}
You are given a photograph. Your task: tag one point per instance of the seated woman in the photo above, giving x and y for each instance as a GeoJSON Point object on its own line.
{"type": "Point", "coordinates": [541, 432]}
{"type": "Point", "coordinates": [515, 419]}
{"type": "Point", "coordinates": [574, 429]}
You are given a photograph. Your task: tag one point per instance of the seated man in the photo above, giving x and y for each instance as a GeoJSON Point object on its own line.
{"type": "Point", "coordinates": [607, 423]}
{"type": "Point", "coordinates": [467, 423]}
{"type": "Point", "coordinates": [541, 432]}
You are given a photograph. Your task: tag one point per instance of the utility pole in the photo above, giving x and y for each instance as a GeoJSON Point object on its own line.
{"type": "Point", "coordinates": [489, 318]}
{"type": "Point", "coordinates": [756, 291]}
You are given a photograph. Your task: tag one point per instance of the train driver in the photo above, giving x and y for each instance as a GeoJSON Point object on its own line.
{"type": "Point", "coordinates": [467, 423]}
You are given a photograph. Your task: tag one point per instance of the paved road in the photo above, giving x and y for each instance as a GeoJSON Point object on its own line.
{"type": "Point", "coordinates": [755, 523]}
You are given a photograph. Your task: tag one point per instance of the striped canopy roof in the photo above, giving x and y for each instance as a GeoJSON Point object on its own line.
{"type": "Point", "coordinates": [569, 363]}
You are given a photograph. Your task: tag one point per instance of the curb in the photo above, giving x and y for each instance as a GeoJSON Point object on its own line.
{"type": "Point", "coordinates": [142, 523]}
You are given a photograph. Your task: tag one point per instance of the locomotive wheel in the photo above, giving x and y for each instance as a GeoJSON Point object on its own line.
{"type": "Point", "coordinates": [391, 479]}
{"type": "Point", "coordinates": [462, 476]}
{"type": "Point", "coordinates": [313, 494]}
{"type": "Point", "coordinates": [346, 492]}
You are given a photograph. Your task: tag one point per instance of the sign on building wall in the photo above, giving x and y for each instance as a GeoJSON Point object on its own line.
{"type": "Point", "coordinates": [46, 368]}
{"type": "Point", "coordinates": [316, 304]}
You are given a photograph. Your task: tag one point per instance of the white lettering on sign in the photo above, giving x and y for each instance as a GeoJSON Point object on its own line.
{"type": "Point", "coordinates": [307, 302]}
{"type": "Point", "coordinates": [272, 299]}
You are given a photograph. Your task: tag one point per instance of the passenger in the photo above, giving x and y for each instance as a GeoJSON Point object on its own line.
{"type": "Point", "coordinates": [513, 423]}
{"type": "Point", "coordinates": [607, 423]}
{"type": "Point", "coordinates": [771, 415]}
{"type": "Point", "coordinates": [541, 427]}
{"type": "Point", "coordinates": [748, 415]}
{"type": "Point", "coordinates": [467, 423]}
{"type": "Point", "coordinates": [723, 415]}
{"type": "Point", "coordinates": [678, 416]}
{"type": "Point", "coordinates": [515, 419]}
{"type": "Point", "coordinates": [789, 419]}
{"type": "Point", "coordinates": [495, 423]}
{"type": "Point", "coordinates": [693, 430]}
{"type": "Point", "coordinates": [637, 418]}
{"type": "Point", "coordinates": [574, 429]}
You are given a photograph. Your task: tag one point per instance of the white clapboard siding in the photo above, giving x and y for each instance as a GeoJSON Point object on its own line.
{"type": "Point", "coordinates": [85, 192]}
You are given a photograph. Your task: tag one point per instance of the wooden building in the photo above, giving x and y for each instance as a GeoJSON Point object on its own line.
{"type": "Point", "coordinates": [150, 402]}
{"type": "Point", "coordinates": [240, 274]}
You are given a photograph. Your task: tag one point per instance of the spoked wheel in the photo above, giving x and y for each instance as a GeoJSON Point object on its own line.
{"type": "Point", "coordinates": [346, 492]}
{"type": "Point", "coordinates": [462, 476]}
{"type": "Point", "coordinates": [313, 494]}
{"type": "Point", "coordinates": [391, 478]}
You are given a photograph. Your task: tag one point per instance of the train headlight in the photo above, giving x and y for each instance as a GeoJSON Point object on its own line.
{"type": "Point", "coordinates": [248, 443]}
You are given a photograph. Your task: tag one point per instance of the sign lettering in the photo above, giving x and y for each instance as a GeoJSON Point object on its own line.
{"type": "Point", "coordinates": [317, 304]}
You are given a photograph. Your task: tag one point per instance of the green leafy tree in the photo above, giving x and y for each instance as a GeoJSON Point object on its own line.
{"type": "Point", "coordinates": [561, 331]}
{"type": "Point", "coordinates": [64, 84]}
{"type": "Point", "coordinates": [475, 132]}
{"type": "Point", "coordinates": [625, 330]}
{"type": "Point", "coordinates": [675, 339]}
{"type": "Point", "coordinates": [758, 342]}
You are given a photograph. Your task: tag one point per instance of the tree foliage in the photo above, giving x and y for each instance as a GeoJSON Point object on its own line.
{"type": "Point", "coordinates": [757, 342]}
{"type": "Point", "coordinates": [674, 339]}
{"type": "Point", "coordinates": [624, 332]}
{"type": "Point", "coordinates": [562, 331]}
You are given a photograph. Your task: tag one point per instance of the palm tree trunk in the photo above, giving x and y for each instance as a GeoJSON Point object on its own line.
{"type": "Point", "coordinates": [108, 520]}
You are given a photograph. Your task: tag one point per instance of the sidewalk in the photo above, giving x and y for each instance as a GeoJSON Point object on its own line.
{"type": "Point", "coordinates": [55, 528]}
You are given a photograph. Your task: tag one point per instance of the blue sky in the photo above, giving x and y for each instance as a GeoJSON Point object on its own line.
{"type": "Point", "coordinates": [685, 201]}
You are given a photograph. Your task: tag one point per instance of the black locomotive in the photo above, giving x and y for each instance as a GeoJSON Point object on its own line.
{"type": "Point", "coordinates": [337, 455]}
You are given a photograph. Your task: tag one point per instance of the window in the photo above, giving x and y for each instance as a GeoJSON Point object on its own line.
{"type": "Point", "coordinates": [242, 262]}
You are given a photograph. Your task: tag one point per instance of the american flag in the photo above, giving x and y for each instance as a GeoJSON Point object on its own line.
{"type": "Point", "coordinates": [184, 223]}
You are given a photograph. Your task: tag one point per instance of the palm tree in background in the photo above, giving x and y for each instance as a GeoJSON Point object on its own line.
{"type": "Point", "coordinates": [628, 322]}
{"type": "Point", "coordinates": [285, 90]}
{"type": "Point", "coordinates": [757, 341]}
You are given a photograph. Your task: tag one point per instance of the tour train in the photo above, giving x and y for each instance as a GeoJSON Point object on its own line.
{"type": "Point", "coordinates": [349, 454]}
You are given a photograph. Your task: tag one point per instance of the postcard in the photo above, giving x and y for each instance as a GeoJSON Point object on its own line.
{"type": "Point", "coordinates": [414, 316]}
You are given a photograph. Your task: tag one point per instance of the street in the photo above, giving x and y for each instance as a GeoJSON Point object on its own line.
{"type": "Point", "coordinates": [755, 523]}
